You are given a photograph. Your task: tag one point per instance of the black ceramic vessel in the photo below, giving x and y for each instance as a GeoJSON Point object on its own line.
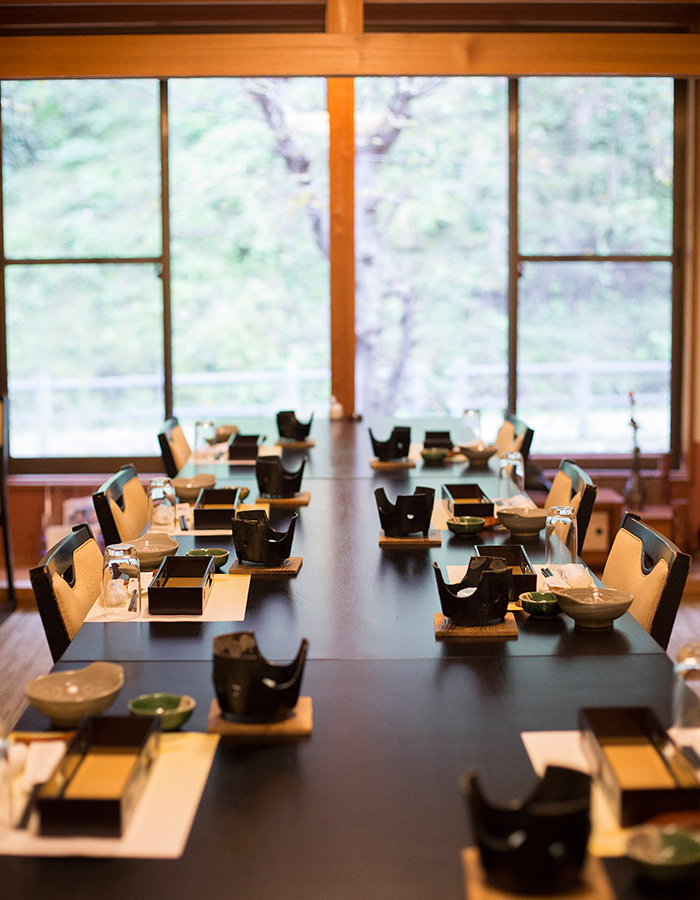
{"type": "Point", "coordinates": [396, 447]}
{"type": "Point", "coordinates": [290, 428]}
{"type": "Point", "coordinates": [257, 542]}
{"type": "Point", "coordinates": [410, 514]}
{"type": "Point", "coordinates": [243, 446]}
{"type": "Point", "coordinates": [276, 481]}
{"type": "Point", "coordinates": [438, 439]}
{"type": "Point", "coordinates": [248, 686]}
{"type": "Point", "coordinates": [485, 590]}
{"type": "Point", "coordinates": [536, 845]}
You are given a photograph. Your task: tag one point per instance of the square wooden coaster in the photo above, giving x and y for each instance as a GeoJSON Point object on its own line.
{"type": "Point", "coordinates": [301, 498]}
{"type": "Point", "coordinates": [289, 567]}
{"type": "Point", "coordinates": [595, 884]}
{"type": "Point", "coordinates": [434, 539]}
{"type": "Point", "coordinates": [296, 445]}
{"type": "Point", "coordinates": [392, 465]}
{"type": "Point", "coordinates": [296, 727]}
{"type": "Point", "coordinates": [503, 631]}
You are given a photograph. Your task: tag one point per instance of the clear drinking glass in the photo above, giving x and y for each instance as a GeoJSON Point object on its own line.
{"type": "Point", "coordinates": [161, 505]}
{"type": "Point", "coordinates": [204, 438]}
{"type": "Point", "coordinates": [686, 687]}
{"type": "Point", "coordinates": [120, 596]}
{"type": "Point", "coordinates": [561, 536]}
{"type": "Point", "coordinates": [471, 426]}
{"type": "Point", "coordinates": [511, 476]}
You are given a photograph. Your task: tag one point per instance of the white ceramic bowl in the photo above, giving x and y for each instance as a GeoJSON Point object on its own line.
{"type": "Point", "coordinates": [153, 547]}
{"type": "Point", "coordinates": [593, 607]}
{"type": "Point", "coordinates": [477, 451]}
{"type": "Point", "coordinates": [67, 697]}
{"type": "Point", "coordinates": [188, 489]}
{"type": "Point", "coordinates": [523, 521]}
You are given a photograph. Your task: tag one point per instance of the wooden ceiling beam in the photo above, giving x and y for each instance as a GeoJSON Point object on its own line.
{"type": "Point", "coordinates": [343, 16]}
{"type": "Point", "coordinates": [207, 55]}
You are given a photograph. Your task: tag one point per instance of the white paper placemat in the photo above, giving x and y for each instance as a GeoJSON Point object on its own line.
{"type": "Point", "coordinates": [227, 602]}
{"type": "Point", "coordinates": [162, 821]}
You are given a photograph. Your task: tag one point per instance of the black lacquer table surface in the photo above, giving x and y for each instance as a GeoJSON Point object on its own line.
{"type": "Point", "coordinates": [369, 806]}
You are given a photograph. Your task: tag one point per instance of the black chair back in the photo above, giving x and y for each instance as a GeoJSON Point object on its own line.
{"type": "Point", "coordinates": [625, 571]}
{"type": "Point", "coordinates": [60, 622]}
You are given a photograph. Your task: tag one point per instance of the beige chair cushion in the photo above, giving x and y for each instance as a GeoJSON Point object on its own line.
{"type": "Point", "coordinates": [505, 439]}
{"type": "Point", "coordinates": [623, 571]}
{"type": "Point", "coordinates": [179, 447]}
{"type": "Point", "coordinates": [75, 602]}
{"type": "Point", "coordinates": [560, 491]}
{"type": "Point", "coordinates": [132, 520]}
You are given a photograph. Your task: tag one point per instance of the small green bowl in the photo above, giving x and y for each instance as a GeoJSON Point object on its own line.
{"type": "Point", "coordinates": [665, 854]}
{"type": "Point", "coordinates": [220, 555]}
{"type": "Point", "coordinates": [465, 524]}
{"type": "Point", "coordinates": [542, 604]}
{"type": "Point", "coordinates": [173, 709]}
{"type": "Point", "coordinates": [434, 455]}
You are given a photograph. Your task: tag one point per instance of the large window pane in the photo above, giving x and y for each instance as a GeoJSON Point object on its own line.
{"type": "Point", "coordinates": [596, 165]}
{"type": "Point", "coordinates": [85, 358]}
{"type": "Point", "coordinates": [81, 169]}
{"type": "Point", "coordinates": [431, 230]}
{"type": "Point", "coordinates": [588, 334]}
{"type": "Point", "coordinates": [250, 283]}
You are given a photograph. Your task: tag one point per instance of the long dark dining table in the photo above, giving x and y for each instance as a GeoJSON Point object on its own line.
{"type": "Point", "coordinates": [369, 806]}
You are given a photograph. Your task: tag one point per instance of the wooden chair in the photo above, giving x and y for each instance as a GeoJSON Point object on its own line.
{"type": "Point", "coordinates": [11, 603]}
{"type": "Point", "coordinates": [121, 505]}
{"type": "Point", "coordinates": [66, 583]}
{"type": "Point", "coordinates": [514, 436]}
{"type": "Point", "coordinates": [651, 568]}
{"type": "Point", "coordinates": [573, 487]}
{"type": "Point", "coordinates": [173, 447]}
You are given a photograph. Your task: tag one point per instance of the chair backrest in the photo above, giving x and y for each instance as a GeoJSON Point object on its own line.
{"type": "Point", "coordinates": [514, 436]}
{"type": "Point", "coordinates": [651, 567]}
{"type": "Point", "coordinates": [121, 506]}
{"type": "Point", "coordinates": [573, 487]}
{"type": "Point", "coordinates": [173, 447]}
{"type": "Point", "coordinates": [66, 583]}
{"type": "Point", "coordinates": [11, 603]}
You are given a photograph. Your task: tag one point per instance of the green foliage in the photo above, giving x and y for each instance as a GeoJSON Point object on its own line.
{"type": "Point", "coordinates": [248, 170]}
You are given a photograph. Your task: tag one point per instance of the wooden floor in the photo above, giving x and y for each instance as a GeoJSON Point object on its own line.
{"type": "Point", "coordinates": [24, 654]}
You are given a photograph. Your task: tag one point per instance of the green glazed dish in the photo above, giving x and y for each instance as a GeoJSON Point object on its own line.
{"type": "Point", "coordinates": [664, 854]}
{"type": "Point", "coordinates": [173, 709]}
{"type": "Point", "coordinates": [542, 604]}
{"type": "Point", "coordinates": [434, 455]}
{"type": "Point", "coordinates": [465, 524]}
{"type": "Point", "coordinates": [220, 555]}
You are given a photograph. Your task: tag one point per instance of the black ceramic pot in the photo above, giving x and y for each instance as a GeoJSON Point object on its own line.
{"type": "Point", "coordinates": [290, 428]}
{"type": "Point", "coordinates": [537, 845]}
{"type": "Point", "coordinates": [256, 541]}
{"type": "Point", "coordinates": [276, 481]}
{"type": "Point", "coordinates": [248, 686]}
{"type": "Point", "coordinates": [410, 514]}
{"type": "Point", "coordinates": [396, 447]}
{"type": "Point", "coordinates": [481, 597]}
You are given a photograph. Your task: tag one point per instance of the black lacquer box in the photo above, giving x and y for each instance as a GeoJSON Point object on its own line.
{"type": "Point", "coordinates": [101, 778]}
{"type": "Point", "coordinates": [181, 586]}
{"type": "Point", "coordinates": [642, 771]}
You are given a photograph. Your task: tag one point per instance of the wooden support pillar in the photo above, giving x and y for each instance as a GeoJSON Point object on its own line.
{"type": "Point", "coordinates": [342, 17]}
